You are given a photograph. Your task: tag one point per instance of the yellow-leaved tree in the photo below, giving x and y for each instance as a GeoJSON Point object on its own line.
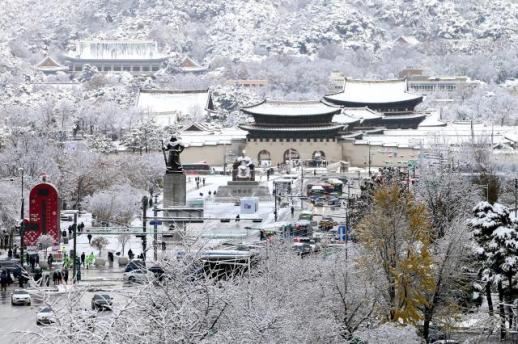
{"type": "Point", "coordinates": [396, 236]}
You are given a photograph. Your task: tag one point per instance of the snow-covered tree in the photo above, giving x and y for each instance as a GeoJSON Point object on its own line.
{"type": "Point", "coordinates": [99, 243]}
{"type": "Point", "coordinates": [45, 241]}
{"type": "Point", "coordinates": [118, 204]}
{"type": "Point", "coordinates": [496, 238]}
{"type": "Point", "coordinates": [100, 144]}
{"type": "Point", "coordinates": [145, 136]}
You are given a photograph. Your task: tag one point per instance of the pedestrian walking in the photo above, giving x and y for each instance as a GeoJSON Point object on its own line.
{"type": "Point", "coordinates": [9, 253]}
{"type": "Point", "coordinates": [83, 259]}
{"type": "Point", "coordinates": [37, 276]}
{"type": "Point", "coordinates": [89, 236]}
{"type": "Point", "coordinates": [130, 254]}
{"type": "Point", "coordinates": [55, 278]}
{"type": "Point", "coordinates": [32, 263]}
{"type": "Point", "coordinates": [292, 210]}
{"type": "Point", "coordinates": [65, 275]}
{"type": "Point", "coordinates": [50, 259]}
{"type": "Point", "coordinates": [203, 181]}
{"type": "Point", "coordinates": [60, 277]}
{"type": "Point", "coordinates": [4, 280]}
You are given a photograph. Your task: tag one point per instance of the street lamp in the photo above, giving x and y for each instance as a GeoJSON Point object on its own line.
{"type": "Point", "coordinates": [23, 201]}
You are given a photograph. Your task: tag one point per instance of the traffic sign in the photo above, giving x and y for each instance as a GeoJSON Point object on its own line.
{"type": "Point", "coordinates": [153, 222]}
{"type": "Point", "coordinates": [343, 232]}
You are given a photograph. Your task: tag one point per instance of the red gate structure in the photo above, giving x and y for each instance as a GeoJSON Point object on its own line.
{"type": "Point", "coordinates": [43, 211]}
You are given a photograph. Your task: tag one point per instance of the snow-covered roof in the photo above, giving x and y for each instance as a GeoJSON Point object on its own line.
{"type": "Point", "coordinates": [166, 105]}
{"type": "Point", "coordinates": [410, 40]}
{"type": "Point", "coordinates": [116, 50]}
{"type": "Point", "coordinates": [292, 129]}
{"type": "Point", "coordinates": [48, 64]}
{"type": "Point", "coordinates": [290, 108]}
{"type": "Point", "coordinates": [455, 133]}
{"type": "Point", "coordinates": [432, 120]}
{"type": "Point", "coordinates": [223, 136]}
{"type": "Point", "coordinates": [189, 65]}
{"type": "Point", "coordinates": [373, 92]}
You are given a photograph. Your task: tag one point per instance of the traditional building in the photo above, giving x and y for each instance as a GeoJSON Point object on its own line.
{"type": "Point", "coordinates": [50, 66]}
{"type": "Point", "coordinates": [292, 131]}
{"type": "Point", "coordinates": [188, 65]}
{"type": "Point", "coordinates": [380, 95]}
{"type": "Point", "coordinates": [167, 106]}
{"type": "Point", "coordinates": [138, 57]}
{"type": "Point", "coordinates": [388, 97]}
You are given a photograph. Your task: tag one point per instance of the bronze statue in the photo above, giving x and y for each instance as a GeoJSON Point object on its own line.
{"type": "Point", "coordinates": [174, 147]}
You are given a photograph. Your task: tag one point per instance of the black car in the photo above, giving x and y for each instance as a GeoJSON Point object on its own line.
{"type": "Point", "coordinates": [135, 264]}
{"type": "Point", "coordinates": [158, 271]}
{"type": "Point", "coordinates": [102, 302]}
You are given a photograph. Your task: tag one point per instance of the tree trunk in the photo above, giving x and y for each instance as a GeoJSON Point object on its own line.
{"type": "Point", "coordinates": [489, 299]}
{"type": "Point", "coordinates": [428, 313]}
{"type": "Point", "coordinates": [509, 298]}
{"type": "Point", "coordinates": [501, 310]}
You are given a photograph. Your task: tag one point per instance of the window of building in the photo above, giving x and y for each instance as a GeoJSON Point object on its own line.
{"type": "Point", "coordinates": [126, 68]}
{"type": "Point", "coordinates": [107, 68]}
{"type": "Point", "coordinates": [78, 68]}
{"type": "Point", "coordinates": [154, 68]}
{"type": "Point", "coordinates": [117, 68]}
{"type": "Point", "coordinates": [145, 69]}
{"type": "Point", "coordinates": [136, 68]}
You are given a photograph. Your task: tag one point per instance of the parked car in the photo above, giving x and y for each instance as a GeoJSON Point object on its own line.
{"type": "Point", "coordinates": [45, 316]}
{"type": "Point", "coordinates": [135, 264]}
{"type": "Point", "coordinates": [326, 223]}
{"type": "Point", "coordinates": [102, 302]}
{"type": "Point", "coordinates": [313, 244]}
{"type": "Point", "coordinates": [158, 272]}
{"type": "Point", "coordinates": [21, 297]}
{"type": "Point", "coordinates": [301, 248]}
{"type": "Point", "coordinates": [139, 275]}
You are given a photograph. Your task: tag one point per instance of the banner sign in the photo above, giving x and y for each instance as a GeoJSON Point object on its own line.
{"type": "Point", "coordinates": [43, 211]}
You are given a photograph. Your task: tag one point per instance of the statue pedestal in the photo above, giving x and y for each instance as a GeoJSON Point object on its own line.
{"type": "Point", "coordinates": [174, 190]}
{"type": "Point", "coordinates": [234, 190]}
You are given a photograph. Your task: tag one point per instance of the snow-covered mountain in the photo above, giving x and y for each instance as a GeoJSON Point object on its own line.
{"type": "Point", "coordinates": [292, 43]}
{"type": "Point", "coordinates": [251, 29]}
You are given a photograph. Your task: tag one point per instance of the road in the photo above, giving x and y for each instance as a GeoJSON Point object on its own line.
{"type": "Point", "coordinates": [19, 322]}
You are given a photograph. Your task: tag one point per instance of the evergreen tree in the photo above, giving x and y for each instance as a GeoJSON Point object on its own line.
{"type": "Point", "coordinates": [496, 240]}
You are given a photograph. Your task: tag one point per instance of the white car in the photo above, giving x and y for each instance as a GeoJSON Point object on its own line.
{"type": "Point", "coordinates": [45, 316]}
{"type": "Point", "coordinates": [139, 275]}
{"type": "Point", "coordinates": [20, 297]}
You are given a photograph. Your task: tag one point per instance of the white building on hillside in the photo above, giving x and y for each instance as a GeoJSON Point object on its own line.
{"type": "Point", "coordinates": [167, 106]}
{"type": "Point", "coordinates": [418, 82]}
{"type": "Point", "coordinates": [116, 56]}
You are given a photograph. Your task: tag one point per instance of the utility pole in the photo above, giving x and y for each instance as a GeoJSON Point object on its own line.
{"type": "Point", "coordinates": [22, 224]}
{"type": "Point", "coordinates": [74, 256]}
{"type": "Point", "coordinates": [275, 199]}
{"type": "Point", "coordinates": [369, 158]}
{"type": "Point", "coordinates": [144, 225]}
{"type": "Point", "coordinates": [515, 195]}
{"type": "Point", "coordinates": [23, 200]}
{"type": "Point", "coordinates": [301, 187]}
{"type": "Point", "coordinates": [155, 228]}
